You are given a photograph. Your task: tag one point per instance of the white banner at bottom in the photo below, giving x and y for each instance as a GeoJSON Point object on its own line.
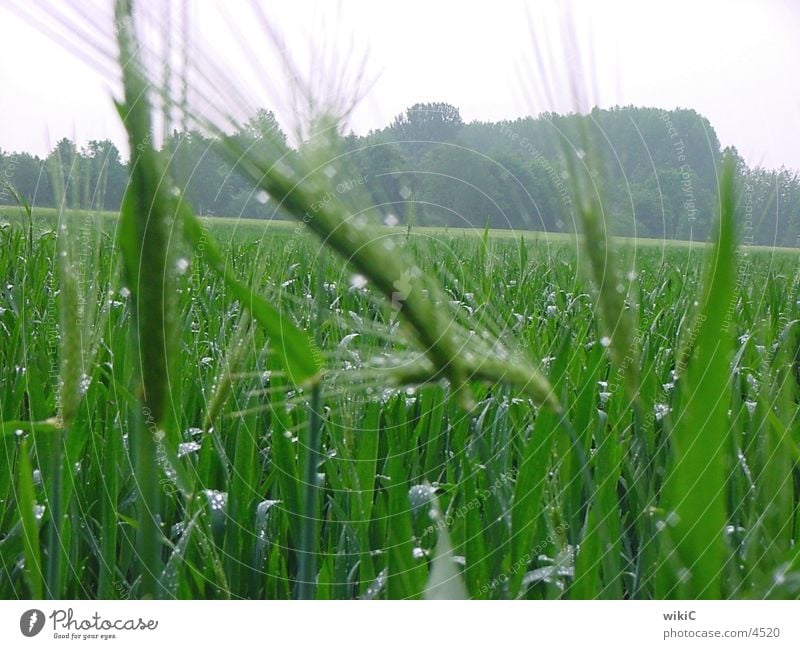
{"type": "Point", "coordinates": [397, 624]}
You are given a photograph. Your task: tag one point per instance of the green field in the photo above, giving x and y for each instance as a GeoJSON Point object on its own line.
{"type": "Point", "coordinates": [228, 226]}
{"type": "Point", "coordinates": [611, 498]}
{"type": "Point", "coordinates": [333, 409]}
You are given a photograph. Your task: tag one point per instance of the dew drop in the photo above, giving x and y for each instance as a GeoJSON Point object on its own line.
{"type": "Point", "coordinates": [188, 447]}
{"type": "Point", "coordinates": [420, 495]}
{"type": "Point", "coordinates": [216, 499]}
{"type": "Point", "coordinates": [661, 410]}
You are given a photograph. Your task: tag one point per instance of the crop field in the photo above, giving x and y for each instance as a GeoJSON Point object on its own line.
{"type": "Point", "coordinates": [411, 493]}
{"type": "Point", "coordinates": [341, 404]}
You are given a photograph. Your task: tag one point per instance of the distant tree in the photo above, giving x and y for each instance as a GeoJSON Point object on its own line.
{"type": "Point", "coordinates": [263, 125]}
{"type": "Point", "coordinates": [107, 175]}
{"type": "Point", "coordinates": [28, 176]}
{"type": "Point", "coordinates": [658, 172]}
{"type": "Point", "coordinates": [385, 171]}
{"type": "Point", "coordinates": [733, 152]}
{"type": "Point", "coordinates": [65, 167]}
{"type": "Point", "coordinates": [422, 126]}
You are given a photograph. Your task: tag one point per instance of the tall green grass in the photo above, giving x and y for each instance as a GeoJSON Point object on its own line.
{"type": "Point", "coordinates": [354, 413]}
{"type": "Point", "coordinates": [378, 444]}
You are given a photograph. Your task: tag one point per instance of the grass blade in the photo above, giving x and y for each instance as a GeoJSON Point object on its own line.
{"type": "Point", "coordinates": [694, 493]}
{"type": "Point", "coordinates": [30, 525]}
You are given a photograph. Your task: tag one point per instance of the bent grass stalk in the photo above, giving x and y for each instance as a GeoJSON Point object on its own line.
{"type": "Point", "coordinates": [422, 306]}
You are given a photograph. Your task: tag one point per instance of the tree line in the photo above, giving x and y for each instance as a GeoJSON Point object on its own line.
{"type": "Point", "coordinates": [654, 170]}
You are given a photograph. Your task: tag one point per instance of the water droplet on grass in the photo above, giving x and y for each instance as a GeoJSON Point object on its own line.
{"type": "Point", "coordinates": [188, 447]}
{"type": "Point", "coordinates": [217, 500]}
{"type": "Point", "coordinates": [661, 410]}
{"type": "Point", "coordinates": [377, 586]}
{"type": "Point", "coordinates": [420, 495]}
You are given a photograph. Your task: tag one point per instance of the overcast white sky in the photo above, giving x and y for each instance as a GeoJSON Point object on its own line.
{"type": "Point", "coordinates": [735, 61]}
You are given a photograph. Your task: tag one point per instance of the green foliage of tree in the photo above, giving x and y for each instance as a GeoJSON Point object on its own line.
{"type": "Point", "coordinates": [660, 173]}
